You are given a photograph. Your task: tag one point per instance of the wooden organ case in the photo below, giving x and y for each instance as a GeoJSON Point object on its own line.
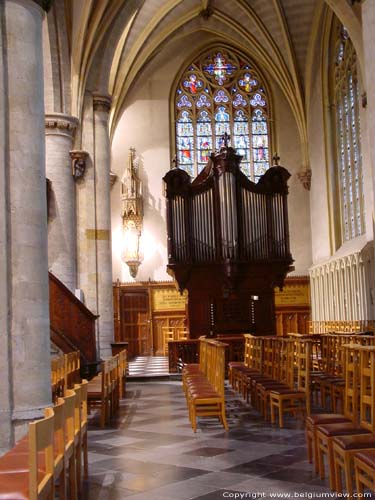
{"type": "Point", "coordinates": [228, 244]}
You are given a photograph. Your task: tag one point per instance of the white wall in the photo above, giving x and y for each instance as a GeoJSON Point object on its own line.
{"type": "Point", "coordinates": [145, 126]}
{"type": "Point", "coordinates": [324, 216]}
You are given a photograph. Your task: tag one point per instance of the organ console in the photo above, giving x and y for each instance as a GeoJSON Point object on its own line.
{"type": "Point", "coordinates": [228, 244]}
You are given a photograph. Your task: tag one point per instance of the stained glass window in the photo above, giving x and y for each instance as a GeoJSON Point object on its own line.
{"type": "Point", "coordinates": [348, 136]}
{"type": "Point", "coordinates": [220, 92]}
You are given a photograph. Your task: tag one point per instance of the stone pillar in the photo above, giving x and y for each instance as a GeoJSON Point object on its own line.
{"type": "Point", "coordinates": [27, 328]}
{"type": "Point", "coordinates": [102, 165]}
{"type": "Point", "coordinates": [62, 207]}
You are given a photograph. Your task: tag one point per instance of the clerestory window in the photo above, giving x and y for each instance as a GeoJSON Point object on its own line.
{"type": "Point", "coordinates": [348, 136]}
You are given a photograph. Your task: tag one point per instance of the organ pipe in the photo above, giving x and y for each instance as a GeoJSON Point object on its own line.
{"type": "Point", "coordinates": [223, 207]}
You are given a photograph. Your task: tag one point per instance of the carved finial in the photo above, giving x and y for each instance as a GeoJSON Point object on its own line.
{"type": "Point", "coordinates": [276, 160]}
{"type": "Point", "coordinates": [79, 158]}
{"type": "Point", "coordinates": [226, 139]}
{"type": "Point", "coordinates": [175, 162]}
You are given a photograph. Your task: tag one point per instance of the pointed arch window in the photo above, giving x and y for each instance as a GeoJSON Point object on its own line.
{"type": "Point", "coordinates": [218, 93]}
{"type": "Point", "coordinates": [348, 136]}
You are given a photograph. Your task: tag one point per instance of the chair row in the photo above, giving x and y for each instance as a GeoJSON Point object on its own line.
{"type": "Point", "coordinates": [108, 387]}
{"type": "Point", "coordinates": [50, 458]}
{"type": "Point", "coordinates": [65, 372]}
{"type": "Point", "coordinates": [328, 381]}
{"type": "Point", "coordinates": [203, 383]}
{"type": "Point", "coordinates": [341, 326]}
{"type": "Point", "coordinates": [346, 440]}
{"type": "Point", "coordinates": [275, 377]}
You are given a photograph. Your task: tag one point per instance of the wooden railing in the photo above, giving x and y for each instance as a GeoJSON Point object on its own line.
{"type": "Point", "coordinates": [182, 352]}
{"type": "Point", "coordinates": [72, 324]}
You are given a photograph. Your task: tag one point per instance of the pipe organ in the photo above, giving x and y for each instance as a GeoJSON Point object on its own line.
{"type": "Point", "coordinates": [228, 244]}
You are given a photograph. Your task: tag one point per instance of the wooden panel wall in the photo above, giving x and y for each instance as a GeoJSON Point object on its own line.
{"type": "Point", "coordinates": [72, 324]}
{"type": "Point", "coordinates": [162, 306]}
{"type": "Point", "coordinates": [293, 306]}
{"type": "Point", "coordinates": [142, 310]}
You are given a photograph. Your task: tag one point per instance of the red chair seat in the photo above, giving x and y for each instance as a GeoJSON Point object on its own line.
{"type": "Point", "coordinates": [15, 485]}
{"type": "Point", "coordinates": [368, 457]}
{"type": "Point", "coordinates": [326, 418]}
{"type": "Point", "coordinates": [272, 384]}
{"type": "Point", "coordinates": [340, 429]}
{"type": "Point", "coordinates": [204, 395]}
{"type": "Point", "coordinates": [355, 442]}
{"type": "Point", "coordinates": [285, 392]}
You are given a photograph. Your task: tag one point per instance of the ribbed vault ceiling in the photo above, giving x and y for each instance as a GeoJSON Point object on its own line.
{"type": "Point", "coordinates": [121, 36]}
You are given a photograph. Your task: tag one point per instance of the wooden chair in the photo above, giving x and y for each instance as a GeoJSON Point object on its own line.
{"type": "Point", "coordinates": [57, 377]}
{"type": "Point", "coordinates": [59, 449]}
{"type": "Point", "coordinates": [98, 393]}
{"type": "Point", "coordinates": [84, 426]}
{"type": "Point", "coordinates": [122, 373]}
{"type": "Point", "coordinates": [168, 335]}
{"type": "Point", "coordinates": [326, 433]}
{"type": "Point", "coordinates": [205, 394]}
{"type": "Point", "coordinates": [364, 468]}
{"type": "Point", "coordinates": [77, 435]}
{"type": "Point", "coordinates": [296, 399]}
{"type": "Point", "coordinates": [182, 334]}
{"type": "Point", "coordinates": [345, 447]}
{"type": "Point", "coordinates": [70, 442]}
{"type": "Point", "coordinates": [277, 380]}
{"type": "Point", "coordinates": [235, 366]}
{"type": "Point", "coordinates": [114, 382]}
{"type": "Point", "coordinates": [36, 483]}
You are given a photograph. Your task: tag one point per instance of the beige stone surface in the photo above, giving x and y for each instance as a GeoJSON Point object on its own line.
{"type": "Point", "coordinates": [27, 276]}
{"type": "Point", "coordinates": [102, 163]}
{"type": "Point", "coordinates": [62, 237]}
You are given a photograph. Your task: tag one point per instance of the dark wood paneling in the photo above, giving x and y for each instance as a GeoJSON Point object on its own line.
{"type": "Point", "coordinates": [135, 321]}
{"type": "Point", "coordinates": [72, 324]}
{"type": "Point", "coordinates": [228, 241]}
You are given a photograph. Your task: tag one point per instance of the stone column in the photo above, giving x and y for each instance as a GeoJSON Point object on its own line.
{"type": "Point", "coordinates": [27, 330]}
{"type": "Point", "coordinates": [102, 165]}
{"type": "Point", "coordinates": [62, 207]}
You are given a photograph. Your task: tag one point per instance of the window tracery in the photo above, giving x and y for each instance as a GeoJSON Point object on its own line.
{"type": "Point", "coordinates": [348, 136]}
{"type": "Point", "coordinates": [221, 93]}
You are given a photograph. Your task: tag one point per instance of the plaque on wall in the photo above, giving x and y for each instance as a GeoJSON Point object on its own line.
{"type": "Point", "coordinates": [297, 294]}
{"type": "Point", "coordinates": [168, 299]}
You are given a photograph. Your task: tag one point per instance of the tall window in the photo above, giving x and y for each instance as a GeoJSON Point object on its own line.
{"type": "Point", "coordinates": [218, 93]}
{"type": "Point", "coordinates": [348, 136]}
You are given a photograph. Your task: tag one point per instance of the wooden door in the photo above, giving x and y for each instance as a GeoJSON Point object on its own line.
{"type": "Point", "coordinates": [135, 322]}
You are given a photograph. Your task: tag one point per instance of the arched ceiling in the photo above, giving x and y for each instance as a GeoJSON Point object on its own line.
{"type": "Point", "coordinates": [112, 40]}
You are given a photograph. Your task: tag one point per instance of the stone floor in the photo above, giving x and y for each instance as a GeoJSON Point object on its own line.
{"type": "Point", "coordinates": [150, 452]}
{"type": "Point", "coordinates": [148, 366]}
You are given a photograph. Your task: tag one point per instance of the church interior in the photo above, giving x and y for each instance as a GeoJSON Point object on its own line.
{"type": "Point", "coordinates": [187, 292]}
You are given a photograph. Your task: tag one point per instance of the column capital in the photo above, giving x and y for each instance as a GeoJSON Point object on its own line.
{"type": "Point", "coordinates": [101, 102]}
{"type": "Point", "coordinates": [60, 124]}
